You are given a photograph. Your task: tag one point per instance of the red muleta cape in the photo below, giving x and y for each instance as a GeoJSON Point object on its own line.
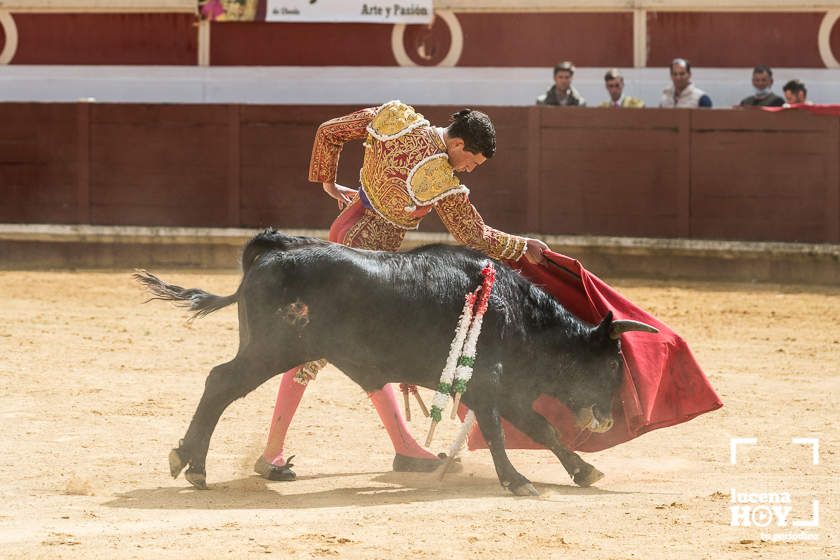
{"type": "Point", "coordinates": [663, 384]}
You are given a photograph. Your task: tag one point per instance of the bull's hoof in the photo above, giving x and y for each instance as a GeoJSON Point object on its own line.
{"type": "Point", "coordinates": [587, 476]}
{"type": "Point", "coordinates": [283, 473]}
{"type": "Point", "coordinates": [526, 489]}
{"type": "Point", "coordinates": [176, 463]}
{"type": "Point", "coordinates": [196, 478]}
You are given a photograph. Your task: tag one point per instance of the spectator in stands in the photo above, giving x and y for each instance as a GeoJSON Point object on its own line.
{"type": "Point", "coordinates": [796, 93]}
{"type": "Point", "coordinates": [683, 93]}
{"type": "Point", "coordinates": [614, 82]}
{"type": "Point", "coordinates": [762, 81]}
{"type": "Point", "coordinates": [562, 94]}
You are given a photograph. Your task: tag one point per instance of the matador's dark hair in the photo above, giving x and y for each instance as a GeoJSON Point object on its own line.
{"type": "Point", "coordinates": [475, 129]}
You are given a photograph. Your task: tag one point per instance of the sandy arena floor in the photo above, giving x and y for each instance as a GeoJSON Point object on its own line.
{"type": "Point", "coordinates": [95, 388]}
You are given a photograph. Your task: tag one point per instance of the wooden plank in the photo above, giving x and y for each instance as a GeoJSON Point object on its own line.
{"type": "Point", "coordinates": [759, 142]}
{"type": "Point", "coordinates": [293, 114]}
{"type": "Point", "coordinates": [771, 165]}
{"type": "Point", "coordinates": [185, 215]}
{"type": "Point", "coordinates": [83, 111]}
{"type": "Point", "coordinates": [610, 140]}
{"type": "Point", "coordinates": [832, 199]}
{"type": "Point", "coordinates": [160, 115]}
{"type": "Point", "coordinates": [683, 182]}
{"type": "Point", "coordinates": [233, 168]}
{"type": "Point", "coordinates": [112, 39]}
{"type": "Point", "coordinates": [590, 118]}
{"type": "Point", "coordinates": [718, 228]}
{"type": "Point", "coordinates": [746, 119]}
{"type": "Point", "coordinates": [22, 149]}
{"type": "Point", "coordinates": [201, 186]}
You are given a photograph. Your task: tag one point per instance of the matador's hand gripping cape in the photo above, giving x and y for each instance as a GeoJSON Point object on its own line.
{"type": "Point", "coordinates": [406, 173]}
{"type": "Point", "coordinates": [663, 384]}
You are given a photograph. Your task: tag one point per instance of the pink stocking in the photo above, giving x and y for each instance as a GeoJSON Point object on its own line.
{"type": "Point", "coordinates": [288, 398]}
{"type": "Point", "coordinates": [385, 401]}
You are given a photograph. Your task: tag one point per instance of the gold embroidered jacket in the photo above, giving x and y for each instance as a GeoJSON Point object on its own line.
{"type": "Point", "coordinates": [406, 173]}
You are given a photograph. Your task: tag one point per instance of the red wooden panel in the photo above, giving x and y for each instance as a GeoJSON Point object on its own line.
{"type": "Point", "coordinates": [234, 167]}
{"type": "Point", "coordinates": [749, 120]}
{"type": "Point", "coordinates": [591, 118]}
{"type": "Point", "coordinates": [634, 144]}
{"type": "Point", "coordinates": [159, 39]}
{"type": "Point", "coordinates": [489, 39]}
{"type": "Point", "coordinates": [544, 39]}
{"type": "Point", "coordinates": [735, 39]}
{"type": "Point", "coordinates": [610, 179]}
{"type": "Point", "coordinates": [753, 176]}
{"type": "Point", "coordinates": [156, 162]}
{"type": "Point", "coordinates": [187, 215]}
{"type": "Point", "coordinates": [288, 114]}
{"type": "Point", "coordinates": [38, 162]}
{"type": "Point", "coordinates": [761, 177]}
{"type": "Point", "coordinates": [287, 204]}
{"type": "Point", "coordinates": [300, 44]}
{"type": "Point", "coordinates": [718, 228]}
{"type": "Point", "coordinates": [83, 163]}
{"type": "Point", "coordinates": [832, 218]}
{"type": "Point", "coordinates": [159, 114]}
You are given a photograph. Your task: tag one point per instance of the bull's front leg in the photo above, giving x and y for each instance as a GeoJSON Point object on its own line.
{"type": "Point", "coordinates": [487, 414]}
{"type": "Point", "coordinates": [491, 429]}
{"type": "Point", "coordinates": [541, 431]}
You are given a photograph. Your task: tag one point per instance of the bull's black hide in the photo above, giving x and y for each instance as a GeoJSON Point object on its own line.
{"type": "Point", "coordinates": [390, 317]}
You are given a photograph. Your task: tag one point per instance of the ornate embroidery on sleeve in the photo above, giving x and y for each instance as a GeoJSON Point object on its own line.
{"type": "Point", "coordinates": [465, 223]}
{"type": "Point", "coordinates": [431, 180]}
{"type": "Point", "coordinates": [393, 120]}
{"type": "Point", "coordinates": [329, 140]}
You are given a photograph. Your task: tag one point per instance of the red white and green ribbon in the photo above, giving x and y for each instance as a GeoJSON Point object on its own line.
{"type": "Point", "coordinates": [458, 369]}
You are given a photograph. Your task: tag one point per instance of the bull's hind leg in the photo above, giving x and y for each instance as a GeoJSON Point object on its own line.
{"type": "Point", "coordinates": [226, 383]}
{"type": "Point", "coordinates": [541, 431]}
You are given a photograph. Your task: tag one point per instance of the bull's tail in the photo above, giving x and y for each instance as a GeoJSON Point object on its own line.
{"type": "Point", "coordinates": [200, 302]}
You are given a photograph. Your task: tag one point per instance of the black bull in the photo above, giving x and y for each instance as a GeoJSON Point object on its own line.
{"type": "Point", "coordinates": [390, 318]}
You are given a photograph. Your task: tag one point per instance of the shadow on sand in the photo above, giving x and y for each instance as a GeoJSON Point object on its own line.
{"type": "Point", "coordinates": [371, 489]}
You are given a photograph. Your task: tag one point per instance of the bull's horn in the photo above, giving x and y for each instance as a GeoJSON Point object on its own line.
{"type": "Point", "coordinates": [623, 326]}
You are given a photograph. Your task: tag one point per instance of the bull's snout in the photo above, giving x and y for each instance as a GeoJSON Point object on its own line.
{"type": "Point", "coordinates": [589, 419]}
{"type": "Point", "coordinates": [601, 426]}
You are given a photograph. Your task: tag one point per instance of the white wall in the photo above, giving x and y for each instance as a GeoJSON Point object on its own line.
{"type": "Point", "coordinates": [368, 85]}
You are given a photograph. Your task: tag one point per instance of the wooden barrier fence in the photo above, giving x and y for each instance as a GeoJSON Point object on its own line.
{"type": "Point", "coordinates": [720, 174]}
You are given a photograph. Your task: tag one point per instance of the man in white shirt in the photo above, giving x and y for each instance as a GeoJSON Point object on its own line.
{"type": "Point", "coordinates": [683, 93]}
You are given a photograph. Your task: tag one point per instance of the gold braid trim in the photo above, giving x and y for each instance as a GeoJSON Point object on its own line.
{"type": "Point", "coordinates": [393, 120]}
{"type": "Point", "coordinates": [433, 179]}
{"type": "Point", "coordinates": [467, 226]}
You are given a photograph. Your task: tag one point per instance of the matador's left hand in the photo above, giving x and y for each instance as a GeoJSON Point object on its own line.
{"type": "Point", "coordinates": [342, 194]}
{"type": "Point", "coordinates": [534, 252]}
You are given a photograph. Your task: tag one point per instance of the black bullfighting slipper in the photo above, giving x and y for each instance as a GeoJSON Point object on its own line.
{"type": "Point", "coordinates": [404, 463]}
{"type": "Point", "coordinates": [282, 473]}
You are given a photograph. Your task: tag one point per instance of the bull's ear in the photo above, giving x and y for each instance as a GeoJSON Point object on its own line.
{"type": "Point", "coordinates": [602, 331]}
